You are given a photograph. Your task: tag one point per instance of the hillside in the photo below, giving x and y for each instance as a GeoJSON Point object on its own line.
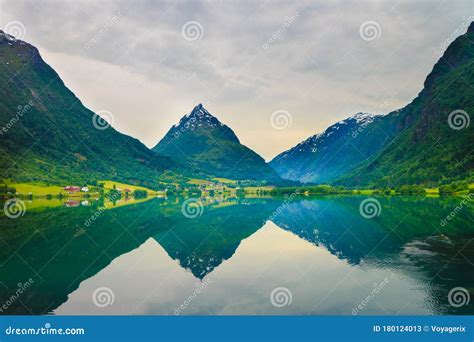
{"type": "Point", "coordinates": [432, 147]}
{"type": "Point", "coordinates": [204, 144]}
{"type": "Point", "coordinates": [326, 156]}
{"type": "Point", "coordinates": [49, 135]}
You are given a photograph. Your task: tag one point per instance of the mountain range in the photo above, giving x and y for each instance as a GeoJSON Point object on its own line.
{"type": "Point", "coordinates": [426, 142]}
{"type": "Point", "coordinates": [434, 141]}
{"type": "Point", "coordinates": [49, 135]}
{"type": "Point", "coordinates": [324, 157]}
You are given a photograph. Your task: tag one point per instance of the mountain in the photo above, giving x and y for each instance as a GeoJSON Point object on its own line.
{"type": "Point", "coordinates": [324, 157]}
{"type": "Point", "coordinates": [435, 141]}
{"type": "Point", "coordinates": [204, 144]}
{"type": "Point", "coordinates": [428, 142]}
{"type": "Point", "coordinates": [49, 135]}
{"type": "Point", "coordinates": [204, 243]}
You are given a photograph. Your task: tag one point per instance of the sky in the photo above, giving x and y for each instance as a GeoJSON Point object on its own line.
{"type": "Point", "coordinates": [276, 72]}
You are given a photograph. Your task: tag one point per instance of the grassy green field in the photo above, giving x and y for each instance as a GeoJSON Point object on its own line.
{"type": "Point", "coordinates": [109, 185]}
{"type": "Point", "coordinates": [195, 181]}
{"type": "Point", "coordinates": [225, 180]}
{"type": "Point", "coordinates": [41, 190]}
{"type": "Point", "coordinates": [255, 189]}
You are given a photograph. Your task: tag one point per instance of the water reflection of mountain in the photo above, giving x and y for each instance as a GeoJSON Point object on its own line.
{"type": "Point", "coordinates": [203, 243]}
{"type": "Point", "coordinates": [442, 264]}
{"type": "Point", "coordinates": [338, 225]}
{"type": "Point", "coordinates": [58, 251]}
{"type": "Point", "coordinates": [407, 236]}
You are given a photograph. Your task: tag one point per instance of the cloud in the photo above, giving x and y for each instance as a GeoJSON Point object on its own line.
{"type": "Point", "coordinates": [253, 58]}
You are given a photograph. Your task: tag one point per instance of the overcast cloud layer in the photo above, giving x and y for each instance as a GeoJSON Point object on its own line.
{"type": "Point", "coordinates": [250, 59]}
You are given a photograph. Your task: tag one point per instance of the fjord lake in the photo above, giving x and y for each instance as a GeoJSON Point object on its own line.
{"type": "Point", "coordinates": [239, 256]}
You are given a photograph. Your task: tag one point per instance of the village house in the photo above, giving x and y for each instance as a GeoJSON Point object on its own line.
{"type": "Point", "coordinates": [72, 188]}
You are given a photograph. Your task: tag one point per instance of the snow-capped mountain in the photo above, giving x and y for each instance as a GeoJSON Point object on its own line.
{"type": "Point", "coordinates": [325, 156]}
{"type": "Point", "coordinates": [206, 145]}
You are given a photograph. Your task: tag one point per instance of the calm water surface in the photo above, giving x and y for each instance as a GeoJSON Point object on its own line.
{"type": "Point", "coordinates": [317, 256]}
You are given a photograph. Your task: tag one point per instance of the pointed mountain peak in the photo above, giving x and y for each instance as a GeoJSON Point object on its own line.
{"type": "Point", "coordinates": [199, 116]}
{"type": "Point", "coordinates": [199, 111]}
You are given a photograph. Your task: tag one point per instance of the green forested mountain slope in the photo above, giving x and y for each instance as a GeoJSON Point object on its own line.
{"type": "Point", "coordinates": [435, 142]}
{"type": "Point", "coordinates": [49, 135]}
{"type": "Point", "coordinates": [202, 143]}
